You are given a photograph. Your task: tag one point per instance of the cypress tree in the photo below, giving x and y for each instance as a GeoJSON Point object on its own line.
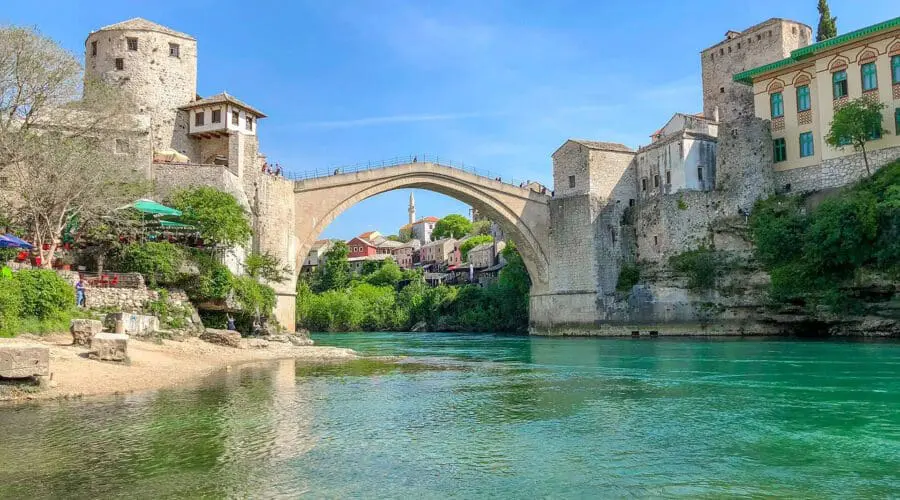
{"type": "Point", "coordinates": [827, 24]}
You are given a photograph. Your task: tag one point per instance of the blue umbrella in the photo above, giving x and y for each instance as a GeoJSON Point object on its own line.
{"type": "Point", "coordinates": [10, 241]}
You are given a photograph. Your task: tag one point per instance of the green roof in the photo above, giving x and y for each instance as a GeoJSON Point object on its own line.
{"type": "Point", "coordinates": [746, 77]}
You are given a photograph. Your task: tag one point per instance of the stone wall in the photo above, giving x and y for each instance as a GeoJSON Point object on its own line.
{"type": "Point", "coordinates": [129, 299]}
{"type": "Point", "coordinates": [832, 173]}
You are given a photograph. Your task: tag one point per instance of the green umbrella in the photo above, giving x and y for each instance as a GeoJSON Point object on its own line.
{"type": "Point", "coordinates": [175, 225]}
{"type": "Point", "coordinates": [153, 208]}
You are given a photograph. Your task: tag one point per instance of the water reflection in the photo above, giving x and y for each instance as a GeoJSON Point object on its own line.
{"type": "Point", "coordinates": [476, 416]}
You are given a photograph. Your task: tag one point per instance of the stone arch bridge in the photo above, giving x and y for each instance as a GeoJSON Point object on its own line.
{"type": "Point", "coordinates": [522, 213]}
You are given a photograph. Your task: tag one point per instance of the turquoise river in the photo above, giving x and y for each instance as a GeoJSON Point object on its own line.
{"type": "Point", "coordinates": [475, 416]}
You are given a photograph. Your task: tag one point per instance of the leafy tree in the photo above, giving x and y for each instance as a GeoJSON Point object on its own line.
{"type": "Point", "coordinates": [213, 281]}
{"type": "Point", "coordinates": [53, 143]}
{"type": "Point", "coordinates": [856, 123]}
{"type": "Point", "coordinates": [777, 225]}
{"type": "Point", "coordinates": [389, 274]}
{"type": "Point", "coordinates": [336, 271]}
{"type": "Point", "coordinates": [44, 293]}
{"type": "Point", "coordinates": [252, 296]}
{"type": "Point", "coordinates": [159, 262]}
{"type": "Point", "coordinates": [480, 227]}
{"type": "Point", "coordinates": [404, 235]}
{"type": "Point", "coordinates": [451, 226]}
{"type": "Point", "coordinates": [629, 275]}
{"type": "Point", "coordinates": [265, 266]}
{"type": "Point", "coordinates": [217, 215]}
{"type": "Point", "coordinates": [473, 242]}
{"type": "Point", "coordinates": [827, 24]}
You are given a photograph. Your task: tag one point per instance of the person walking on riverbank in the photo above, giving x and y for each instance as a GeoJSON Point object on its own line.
{"type": "Point", "coordinates": [231, 323]}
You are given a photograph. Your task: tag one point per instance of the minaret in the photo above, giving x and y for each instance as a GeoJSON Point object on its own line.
{"type": "Point", "coordinates": [412, 208]}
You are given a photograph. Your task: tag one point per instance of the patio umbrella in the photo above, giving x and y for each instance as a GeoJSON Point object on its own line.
{"type": "Point", "coordinates": [10, 241]}
{"type": "Point", "coordinates": [151, 207]}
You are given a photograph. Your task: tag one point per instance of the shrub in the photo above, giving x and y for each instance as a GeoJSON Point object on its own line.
{"type": "Point", "coordinates": [159, 262]}
{"type": "Point", "coordinates": [10, 306]}
{"type": "Point", "coordinates": [253, 297]}
{"type": "Point", "coordinates": [702, 267]}
{"type": "Point", "coordinates": [44, 294]}
{"type": "Point", "coordinates": [776, 227]}
{"type": "Point", "coordinates": [213, 281]}
{"type": "Point", "coordinates": [629, 275]}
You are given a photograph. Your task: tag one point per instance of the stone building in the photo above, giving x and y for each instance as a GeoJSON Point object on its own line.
{"type": "Point", "coordinates": [316, 256]}
{"type": "Point", "coordinates": [681, 156]}
{"type": "Point", "coordinates": [422, 228]}
{"type": "Point", "coordinates": [800, 93]}
{"type": "Point", "coordinates": [405, 254]}
{"type": "Point", "coordinates": [771, 40]}
{"type": "Point", "coordinates": [485, 255]}
{"type": "Point", "coordinates": [437, 252]}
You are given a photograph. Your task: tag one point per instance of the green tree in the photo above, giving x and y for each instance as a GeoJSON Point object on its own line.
{"type": "Point", "coordinates": [473, 242]}
{"type": "Point", "coordinates": [216, 214]}
{"type": "Point", "coordinates": [387, 275]}
{"type": "Point", "coordinates": [336, 271]}
{"type": "Point", "coordinates": [44, 293]}
{"type": "Point", "coordinates": [827, 24]}
{"type": "Point", "coordinates": [405, 234]}
{"type": "Point", "coordinates": [480, 227]}
{"type": "Point", "coordinates": [265, 266]}
{"type": "Point", "coordinates": [856, 123]}
{"type": "Point", "coordinates": [159, 262]}
{"type": "Point", "coordinates": [451, 226]}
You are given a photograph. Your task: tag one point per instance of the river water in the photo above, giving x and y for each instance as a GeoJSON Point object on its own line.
{"type": "Point", "coordinates": [487, 416]}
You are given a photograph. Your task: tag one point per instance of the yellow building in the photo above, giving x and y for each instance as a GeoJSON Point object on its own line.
{"type": "Point", "coordinates": [799, 95]}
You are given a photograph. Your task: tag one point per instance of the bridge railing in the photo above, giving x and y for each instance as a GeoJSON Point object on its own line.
{"type": "Point", "coordinates": [402, 160]}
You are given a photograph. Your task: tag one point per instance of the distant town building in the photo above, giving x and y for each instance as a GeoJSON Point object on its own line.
{"type": "Point", "coordinates": [405, 254]}
{"type": "Point", "coordinates": [362, 246]}
{"type": "Point", "coordinates": [422, 228]}
{"type": "Point", "coordinates": [437, 252]}
{"type": "Point", "coordinates": [484, 255]}
{"type": "Point", "coordinates": [316, 256]}
{"type": "Point", "coordinates": [357, 263]}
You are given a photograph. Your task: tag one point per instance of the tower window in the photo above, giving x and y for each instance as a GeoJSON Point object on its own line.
{"type": "Point", "coordinates": [643, 184]}
{"type": "Point", "coordinates": [721, 90]}
{"type": "Point", "coordinates": [94, 48]}
{"type": "Point", "coordinates": [217, 116]}
{"type": "Point", "coordinates": [794, 30]}
{"type": "Point", "coordinates": [198, 118]}
{"type": "Point", "coordinates": [132, 43]}
{"type": "Point", "coordinates": [235, 117]}
{"type": "Point", "coordinates": [122, 146]}
{"type": "Point", "coordinates": [656, 181]}
{"type": "Point", "coordinates": [174, 50]}
{"type": "Point", "coordinates": [571, 181]}
{"type": "Point", "coordinates": [120, 64]}
{"type": "Point", "coordinates": [668, 177]}
{"type": "Point", "coordinates": [249, 123]}
{"type": "Point", "coordinates": [700, 174]}
{"type": "Point", "coordinates": [739, 46]}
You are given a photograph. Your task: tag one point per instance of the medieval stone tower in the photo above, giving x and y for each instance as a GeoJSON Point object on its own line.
{"type": "Point", "coordinates": [764, 43]}
{"type": "Point", "coordinates": [157, 66]}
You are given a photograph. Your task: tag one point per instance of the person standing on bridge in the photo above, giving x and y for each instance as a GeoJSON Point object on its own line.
{"type": "Point", "coordinates": [415, 159]}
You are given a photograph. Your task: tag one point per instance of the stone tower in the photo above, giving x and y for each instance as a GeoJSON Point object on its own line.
{"type": "Point", "coordinates": [412, 208]}
{"type": "Point", "coordinates": [157, 66]}
{"type": "Point", "coordinates": [764, 43]}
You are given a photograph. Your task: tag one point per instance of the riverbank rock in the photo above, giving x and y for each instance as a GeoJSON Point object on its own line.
{"type": "Point", "coordinates": [83, 329]}
{"type": "Point", "coordinates": [255, 343]}
{"type": "Point", "coordinates": [109, 347]}
{"type": "Point", "coordinates": [135, 324]}
{"type": "Point", "coordinates": [222, 337]}
{"type": "Point", "coordinates": [24, 360]}
{"type": "Point", "coordinates": [419, 327]}
{"type": "Point", "coordinates": [300, 340]}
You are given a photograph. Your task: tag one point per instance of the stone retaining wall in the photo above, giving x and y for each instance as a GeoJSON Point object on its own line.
{"type": "Point", "coordinates": [833, 173]}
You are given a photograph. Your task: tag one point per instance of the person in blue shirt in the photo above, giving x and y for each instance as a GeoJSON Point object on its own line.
{"type": "Point", "coordinates": [79, 293]}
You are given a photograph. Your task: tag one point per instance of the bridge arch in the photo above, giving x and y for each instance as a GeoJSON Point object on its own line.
{"type": "Point", "coordinates": [522, 213]}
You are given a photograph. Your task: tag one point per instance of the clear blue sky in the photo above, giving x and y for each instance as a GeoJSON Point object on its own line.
{"type": "Point", "coordinates": [498, 84]}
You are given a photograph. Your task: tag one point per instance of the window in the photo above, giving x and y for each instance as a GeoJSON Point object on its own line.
{"type": "Point", "coordinates": [776, 102]}
{"type": "Point", "coordinates": [895, 70]}
{"type": "Point", "coordinates": [758, 37]}
{"type": "Point", "coordinates": [132, 43]}
{"type": "Point", "coordinates": [235, 117]}
{"type": "Point", "coordinates": [668, 177]}
{"type": "Point", "coordinates": [739, 45]}
{"type": "Point", "coordinates": [4, 182]}
{"type": "Point", "coordinates": [174, 50]}
{"type": "Point", "coordinates": [249, 123]}
{"type": "Point", "coordinates": [571, 181]}
{"type": "Point", "coordinates": [803, 98]}
{"type": "Point", "coordinates": [643, 184]}
{"type": "Point", "coordinates": [806, 144]}
{"type": "Point", "coordinates": [839, 82]}
{"type": "Point", "coordinates": [780, 150]}
{"type": "Point", "coordinates": [897, 121]}
{"type": "Point", "coordinates": [656, 181]}
{"type": "Point", "coordinates": [875, 134]}
{"type": "Point", "coordinates": [721, 90]}
{"type": "Point", "coordinates": [794, 30]}
{"type": "Point", "coordinates": [721, 52]}
{"type": "Point", "coordinates": [94, 48]}
{"type": "Point", "coordinates": [198, 118]}
{"type": "Point", "coordinates": [700, 174]}
{"type": "Point", "coordinates": [217, 116]}
{"type": "Point", "coordinates": [869, 77]}
{"type": "Point", "coordinates": [656, 240]}
{"type": "Point", "coordinates": [631, 202]}
{"type": "Point", "coordinates": [120, 64]}
{"type": "Point", "coordinates": [122, 146]}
